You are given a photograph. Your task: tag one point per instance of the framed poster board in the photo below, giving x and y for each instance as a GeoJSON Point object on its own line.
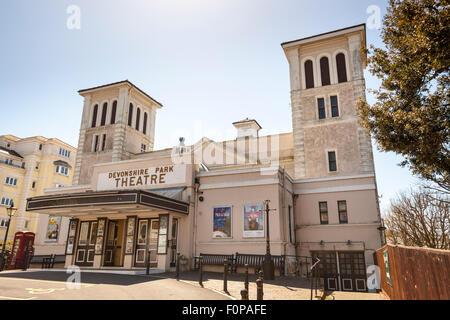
{"type": "Point", "coordinates": [222, 222]}
{"type": "Point", "coordinates": [162, 233]}
{"type": "Point", "coordinates": [53, 227]}
{"type": "Point", "coordinates": [253, 221]}
{"type": "Point", "coordinates": [129, 239]}
{"type": "Point", "coordinates": [71, 235]}
{"type": "Point", "coordinates": [100, 235]}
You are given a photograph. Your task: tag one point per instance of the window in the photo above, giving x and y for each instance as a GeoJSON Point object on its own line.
{"type": "Point", "coordinates": [334, 106]}
{"type": "Point", "coordinates": [11, 181]}
{"type": "Point", "coordinates": [37, 166]}
{"type": "Point", "coordinates": [94, 116]}
{"type": "Point", "coordinates": [113, 112]}
{"type": "Point", "coordinates": [144, 125]}
{"type": "Point", "coordinates": [138, 118]}
{"type": "Point", "coordinates": [130, 114]}
{"type": "Point", "coordinates": [95, 143]}
{"type": "Point", "coordinates": [341, 68]}
{"type": "Point", "coordinates": [64, 152]}
{"type": "Point", "coordinates": [33, 185]}
{"type": "Point", "coordinates": [325, 71]}
{"type": "Point", "coordinates": [332, 165]}
{"type": "Point", "coordinates": [342, 209]}
{"type": "Point", "coordinates": [309, 74]}
{"type": "Point", "coordinates": [323, 211]}
{"type": "Point", "coordinates": [26, 224]}
{"type": "Point", "coordinates": [3, 223]}
{"type": "Point", "coordinates": [103, 141]}
{"type": "Point", "coordinates": [143, 147]}
{"type": "Point", "coordinates": [40, 147]}
{"type": "Point", "coordinates": [321, 107]}
{"type": "Point", "coordinates": [8, 161]}
{"type": "Point", "coordinates": [104, 110]}
{"type": "Point", "coordinates": [7, 201]}
{"type": "Point", "coordinates": [59, 185]}
{"type": "Point", "coordinates": [62, 170]}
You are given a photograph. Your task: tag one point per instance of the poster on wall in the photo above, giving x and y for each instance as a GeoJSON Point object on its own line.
{"type": "Point", "coordinates": [222, 222]}
{"type": "Point", "coordinates": [71, 236]}
{"type": "Point", "coordinates": [53, 226]}
{"type": "Point", "coordinates": [253, 221]}
{"type": "Point", "coordinates": [386, 267]}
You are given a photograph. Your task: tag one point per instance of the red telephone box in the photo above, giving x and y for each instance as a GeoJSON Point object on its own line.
{"type": "Point", "coordinates": [22, 250]}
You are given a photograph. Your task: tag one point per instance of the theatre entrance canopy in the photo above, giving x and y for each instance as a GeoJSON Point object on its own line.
{"type": "Point", "coordinates": [133, 214]}
{"type": "Point", "coordinates": [105, 202]}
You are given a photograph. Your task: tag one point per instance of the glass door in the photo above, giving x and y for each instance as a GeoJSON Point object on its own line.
{"type": "Point", "coordinates": [111, 242]}
{"type": "Point", "coordinates": [147, 242]}
{"type": "Point", "coordinates": [86, 243]}
{"type": "Point", "coordinates": [153, 242]}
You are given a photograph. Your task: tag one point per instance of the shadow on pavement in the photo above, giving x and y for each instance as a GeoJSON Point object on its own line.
{"type": "Point", "coordinates": [288, 282]}
{"type": "Point", "coordinates": [86, 277]}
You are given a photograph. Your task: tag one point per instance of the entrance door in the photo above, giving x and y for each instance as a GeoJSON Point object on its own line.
{"type": "Point", "coordinates": [86, 243]}
{"type": "Point", "coordinates": [113, 247]}
{"type": "Point", "coordinates": [328, 269]}
{"type": "Point", "coordinates": [352, 268]}
{"type": "Point", "coordinates": [147, 242]}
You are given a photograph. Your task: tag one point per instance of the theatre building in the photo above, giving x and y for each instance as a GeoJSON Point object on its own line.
{"type": "Point", "coordinates": [130, 204]}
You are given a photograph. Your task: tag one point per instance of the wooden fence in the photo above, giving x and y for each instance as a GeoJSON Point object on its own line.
{"type": "Point", "coordinates": [414, 273]}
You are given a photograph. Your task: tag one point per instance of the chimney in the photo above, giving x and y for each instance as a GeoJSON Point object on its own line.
{"type": "Point", "coordinates": [247, 128]}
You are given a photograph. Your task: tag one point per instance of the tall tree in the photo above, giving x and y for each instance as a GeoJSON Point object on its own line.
{"type": "Point", "coordinates": [420, 218]}
{"type": "Point", "coordinates": [411, 115]}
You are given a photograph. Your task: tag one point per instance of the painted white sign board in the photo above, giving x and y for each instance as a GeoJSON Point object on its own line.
{"type": "Point", "coordinates": [143, 178]}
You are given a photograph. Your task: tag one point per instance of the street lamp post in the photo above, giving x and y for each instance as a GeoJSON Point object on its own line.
{"type": "Point", "coordinates": [10, 211]}
{"type": "Point", "coordinates": [268, 266]}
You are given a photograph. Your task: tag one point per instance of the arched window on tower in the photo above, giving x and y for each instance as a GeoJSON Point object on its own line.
{"type": "Point", "coordinates": [94, 116]}
{"type": "Point", "coordinates": [104, 109]}
{"type": "Point", "coordinates": [341, 68]}
{"type": "Point", "coordinates": [138, 118]}
{"type": "Point", "coordinates": [144, 126]}
{"type": "Point", "coordinates": [309, 74]}
{"type": "Point", "coordinates": [130, 114]}
{"type": "Point", "coordinates": [325, 71]}
{"type": "Point", "coordinates": [113, 112]}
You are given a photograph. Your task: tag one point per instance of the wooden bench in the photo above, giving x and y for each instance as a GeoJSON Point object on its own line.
{"type": "Point", "coordinates": [239, 260]}
{"type": "Point", "coordinates": [256, 261]}
{"type": "Point", "coordinates": [213, 260]}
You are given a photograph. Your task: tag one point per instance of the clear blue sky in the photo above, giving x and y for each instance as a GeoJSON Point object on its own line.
{"type": "Point", "coordinates": [210, 62]}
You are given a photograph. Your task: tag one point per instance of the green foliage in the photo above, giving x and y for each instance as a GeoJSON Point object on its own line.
{"type": "Point", "coordinates": [411, 115]}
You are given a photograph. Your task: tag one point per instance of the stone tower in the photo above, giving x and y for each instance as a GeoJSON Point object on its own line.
{"type": "Point", "coordinates": [118, 121]}
{"type": "Point", "coordinates": [327, 80]}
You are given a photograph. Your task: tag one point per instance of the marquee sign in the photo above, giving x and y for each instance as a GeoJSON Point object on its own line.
{"type": "Point", "coordinates": [143, 178]}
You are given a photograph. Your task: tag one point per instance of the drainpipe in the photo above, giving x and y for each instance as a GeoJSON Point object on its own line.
{"type": "Point", "coordinates": [294, 200]}
{"type": "Point", "coordinates": [194, 237]}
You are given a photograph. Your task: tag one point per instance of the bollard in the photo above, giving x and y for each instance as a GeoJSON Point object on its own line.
{"type": "Point", "coordinates": [261, 275]}
{"type": "Point", "coordinates": [200, 280]}
{"type": "Point", "coordinates": [259, 289]}
{"type": "Point", "coordinates": [225, 275]}
{"type": "Point", "coordinates": [246, 277]}
{"type": "Point", "coordinates": [178, 266]}
{"type": "Point", "coordinates": [147, 271]}
{"type": "Point", "coordinates": [244, 294]}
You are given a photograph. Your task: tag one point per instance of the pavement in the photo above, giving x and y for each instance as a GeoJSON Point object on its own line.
{"type": "Point", "coordinates": [59, 285]}
{"type": "Point", "coordinates": [282, 288]}
{"type": "Point", "coordinates": [53, 285]}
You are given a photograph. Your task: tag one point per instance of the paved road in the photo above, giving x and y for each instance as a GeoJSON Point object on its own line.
{"type": "Point", "coordinates": [52, 285]}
